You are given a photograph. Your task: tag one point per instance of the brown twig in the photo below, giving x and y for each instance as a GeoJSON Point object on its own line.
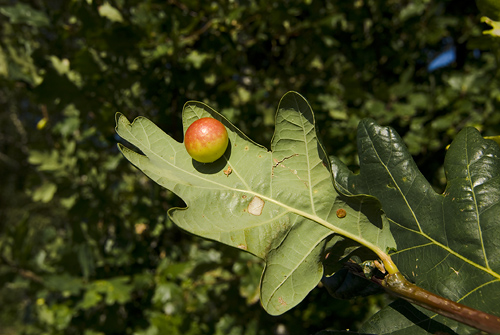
{"type": "Point", "coordinates": [397, 285]}
{"type": "Point", "coordinates": [22, 272]}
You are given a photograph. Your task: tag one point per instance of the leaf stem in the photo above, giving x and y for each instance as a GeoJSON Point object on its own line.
{"type": "Point", "coordinates": [389, 265]}
{"type": "Point", "coordinates": [397, 284]}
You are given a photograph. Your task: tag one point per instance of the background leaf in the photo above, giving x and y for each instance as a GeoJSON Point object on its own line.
{"type": "Point", "coordinates": [447, 243]}
{"type": "Point", "coordinates": [292, 182]}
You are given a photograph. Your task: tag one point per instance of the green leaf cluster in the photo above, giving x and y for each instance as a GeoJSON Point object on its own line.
{"type": "Point", "coordinates": [281, 206]}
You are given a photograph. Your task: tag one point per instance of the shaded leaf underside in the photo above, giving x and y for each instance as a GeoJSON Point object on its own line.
{"type": "Point", "coordinates": [447, 243]}
{"type": "Point", "coordinates": [279, 205]}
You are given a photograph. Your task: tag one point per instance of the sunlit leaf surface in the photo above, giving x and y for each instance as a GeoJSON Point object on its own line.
{"type": "Point", "coordinates": [280, 205]}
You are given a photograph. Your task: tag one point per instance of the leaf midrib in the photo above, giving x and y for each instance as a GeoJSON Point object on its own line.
{"type": "Point", "coordinates": [271, 295]}
{"type": "Point", "coordinates": [486, 269]}
{"type": "Point", "coordinates": [394, 180]}
{"type": "Point", "coordinates": [476, 206]}
{"type": "Point", "coordinates": [450, 251]}
{"type": "Point", "coordinates": [311, 217]}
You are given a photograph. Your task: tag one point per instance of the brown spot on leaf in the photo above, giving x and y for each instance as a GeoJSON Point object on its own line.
{"type": "Point", "coordinates": [282, 301]}
{"type": "Point", "coordinates": [242, 247]}
{"type": "Point", "coordinates": [341, 213]}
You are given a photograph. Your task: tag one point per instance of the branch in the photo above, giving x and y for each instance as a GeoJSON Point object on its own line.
{"type": "Point", "coordinates": [28, 274]}
{"type": "Point", "coordinates": [397, 284]}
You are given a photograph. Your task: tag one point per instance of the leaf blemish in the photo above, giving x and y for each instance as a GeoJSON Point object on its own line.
{"type": "Point", "coordinates": [279, 162]}
{"type": "Point", "coordinates": [341, 213]}
{"type": "Point", "coordinates": [255, 206]}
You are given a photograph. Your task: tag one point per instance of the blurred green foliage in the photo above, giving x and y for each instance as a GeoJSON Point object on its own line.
{"type": "Point", "coordinates": [85, 243]}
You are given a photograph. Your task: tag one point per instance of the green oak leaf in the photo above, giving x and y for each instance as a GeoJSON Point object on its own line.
{"type": "Point", "coordinates": [447, 243]}
{"type": "Point", "coordinates": [495, 27]}
{"type": "Point", "coordinates": [279, 205]}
